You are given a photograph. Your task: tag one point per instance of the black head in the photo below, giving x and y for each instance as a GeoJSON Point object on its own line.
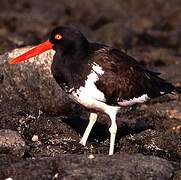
{"type": "Point", "coordinates": [69, 40]}
{"type": "Point", "coordinates": [65, 40]}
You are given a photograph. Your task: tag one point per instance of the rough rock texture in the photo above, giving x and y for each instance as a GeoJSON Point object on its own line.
{"type": "Point", "coordinates": [121, 166]}
{"type": "Point", "coordinates": [11, 143]}
{"type": "Point", "coordinates": [157, 143]}
{"type": "Point", "coordinates": [34, 106]}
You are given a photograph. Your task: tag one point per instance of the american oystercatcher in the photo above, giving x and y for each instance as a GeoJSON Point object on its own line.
{"type": "Point", "coordinates": [97, 76]}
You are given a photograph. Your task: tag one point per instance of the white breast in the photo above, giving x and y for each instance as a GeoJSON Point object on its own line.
{"type": "Point", "coordinates": [85, 94]}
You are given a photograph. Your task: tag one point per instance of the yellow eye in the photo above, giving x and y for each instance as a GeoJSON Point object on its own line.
{"type": "Point", "coordinates": [58, 37]}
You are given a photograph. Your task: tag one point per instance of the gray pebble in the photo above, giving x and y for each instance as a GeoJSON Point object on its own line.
{"type": "Point", "coordinates": [11, 143]}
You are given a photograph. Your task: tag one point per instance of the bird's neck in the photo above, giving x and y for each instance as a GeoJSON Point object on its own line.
{"type": "Point", "coordinates": [69, 69]}
{"type": "Point", "coordinates": [75, 51]}
{"type": "Point", "coordinates": [67, 65]}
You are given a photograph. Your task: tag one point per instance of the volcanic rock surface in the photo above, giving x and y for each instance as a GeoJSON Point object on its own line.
{"type": "Point", "coordinates": [40, 127]}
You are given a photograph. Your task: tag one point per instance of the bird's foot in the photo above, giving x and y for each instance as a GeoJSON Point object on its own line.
{"type": "Point", "coordinates": [83, 142]}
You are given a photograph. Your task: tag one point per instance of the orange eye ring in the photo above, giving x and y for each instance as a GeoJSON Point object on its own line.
{"type": "Point", "coordinates": [58, 37]}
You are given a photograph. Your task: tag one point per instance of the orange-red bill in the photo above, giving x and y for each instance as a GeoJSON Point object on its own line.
{"type": "Point", "coordinates": [33, 52]}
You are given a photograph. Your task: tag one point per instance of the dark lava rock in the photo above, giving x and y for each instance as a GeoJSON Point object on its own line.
{"type": "Point", "coordinates": [151, 142]}
{"type": "Point", "coordinates": [11, 143]}
{"type": "Point", "coordinates": [123, 166]}
{"type": "Point", "coordinates": [7, 159]}
{"type": "Point", "coordinates": [32, 104]}
{"type": "Point", "coordinates": [48, 136]}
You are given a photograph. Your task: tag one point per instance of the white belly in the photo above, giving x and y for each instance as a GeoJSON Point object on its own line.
{"type": "Point", "coordinates": [88, 95]}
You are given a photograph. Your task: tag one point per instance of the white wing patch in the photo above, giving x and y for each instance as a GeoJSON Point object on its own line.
{"type": "Point", "coordinates": [130, 102]}
{"type": "Point", "coordinates": [85, 94]}
{"type": "Point", "coordinates": [98, 69]}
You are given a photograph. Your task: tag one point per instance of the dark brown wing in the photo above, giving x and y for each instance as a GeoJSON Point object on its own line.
{"type": "Point", "coordinates": [124, 78]}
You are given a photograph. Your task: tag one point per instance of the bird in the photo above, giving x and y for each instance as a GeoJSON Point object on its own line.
{"type": "Point", "coordinates": [97, 76]}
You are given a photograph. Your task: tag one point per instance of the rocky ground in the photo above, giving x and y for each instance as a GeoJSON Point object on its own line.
{"type": "Point", "coordinates": [40, 127]}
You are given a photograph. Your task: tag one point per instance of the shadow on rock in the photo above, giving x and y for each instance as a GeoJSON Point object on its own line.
{"type": "Point", "coordinates": [100, 131]}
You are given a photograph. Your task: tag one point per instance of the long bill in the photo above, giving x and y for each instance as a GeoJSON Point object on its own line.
{"type": "Point", "coordinates": [47, 45]}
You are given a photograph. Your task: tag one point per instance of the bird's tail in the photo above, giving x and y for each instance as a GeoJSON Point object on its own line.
{"type": "Point", "coordinates": [166, 87]}
{"type": "Point", "coordinates": [161, 86]}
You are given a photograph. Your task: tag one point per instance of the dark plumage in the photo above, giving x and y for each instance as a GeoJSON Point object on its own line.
{"type": "Point", "coordinates": [127, 78]}
{"type": "Point", "coordinates": [99, 77]}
